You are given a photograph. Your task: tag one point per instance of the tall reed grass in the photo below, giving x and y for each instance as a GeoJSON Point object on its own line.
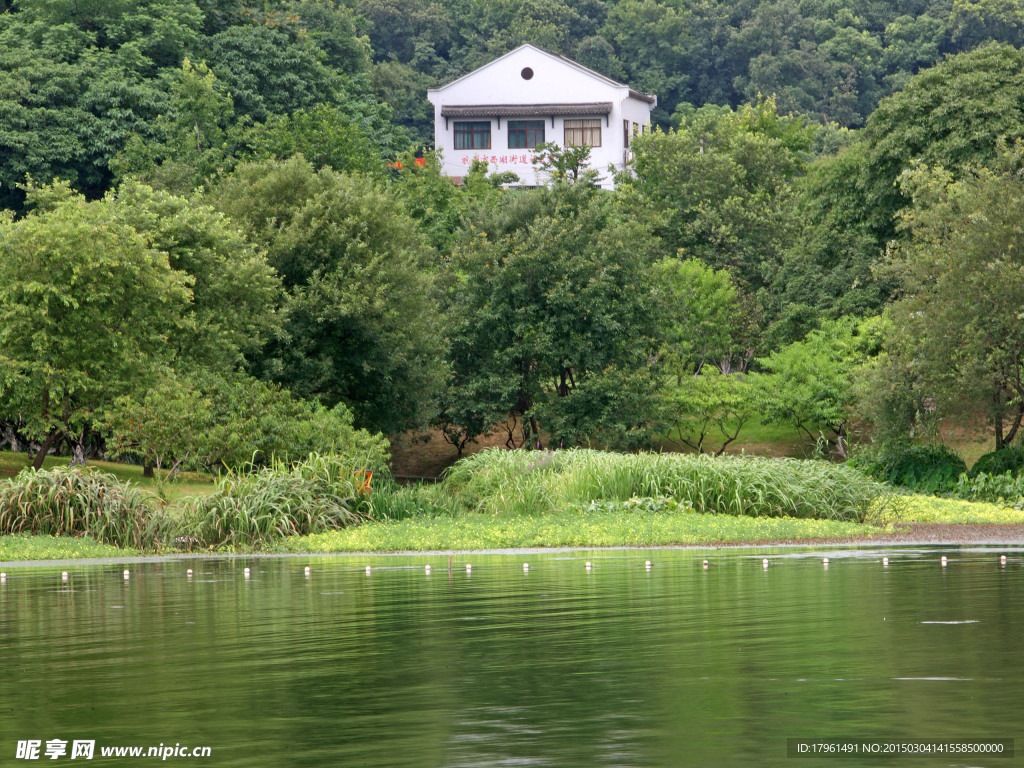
{"type": "Point", "coordinates": [527, 482]}
{"type": "Point", "coordinates": [253, 509]}
{"type": "Point", "coordinates": [70, 501]}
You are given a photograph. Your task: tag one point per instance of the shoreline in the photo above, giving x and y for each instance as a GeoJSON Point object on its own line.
{"type": "Point", "coordinates": [907, 534]}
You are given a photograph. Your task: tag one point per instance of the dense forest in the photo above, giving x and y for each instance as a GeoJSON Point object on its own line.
{"type": "Point", "coordinates": [214, 242]}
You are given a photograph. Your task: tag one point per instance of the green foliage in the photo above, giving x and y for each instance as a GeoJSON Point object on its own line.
{"type": "Point", "coordinates": [192, 139]}
{"type": "Point", "coordinates": [962, 272]}
{"type": "Point", "coordinates": [1005, 489]}
{"type": "Point", "coordinates": [932, 509]}
{"type": "Point", "coordinates": [390, 501]}
{"type": "Point", "coordinates": [257, 509]}
{"type": "Point", "coordinates": [565, 164]}
{"type": "Point", "coordinates": [698, 411]}
{"type": "Point", "coordinates": [327, 136]}
{"type": "Point", "coordinates": [361, 322]}
{"type": "Point", "coordinates": [166, 427]}
{"type": "Point", "coordinates": [235, 293]}
{"type": "Point", "coordinates": [86, 309]}
{"type": "Point", "coordinates": [528, 482]}
{"type": "Point", "coordinates": [923, 468]}
{"type": "Point", "coordinates": [551, 319]}
{"type": "Point", "coordinates": [1007, 460]}
{"type": "Point", "coordinates": [719, 187]}
{"type": "Point", "coordinates": [208, 421]}
{"type": "Point", "coordinates": [66, 106]}
{"type": "Point", "coordinates": [952, 115]}
{"type": "Point", "coordinates": [810, 383]}
{"type": "Point", "coordinates": [76, 502]}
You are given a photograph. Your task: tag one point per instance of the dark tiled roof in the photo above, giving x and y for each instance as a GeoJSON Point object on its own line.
{"type": "Point", "coordinates": [526, 110]}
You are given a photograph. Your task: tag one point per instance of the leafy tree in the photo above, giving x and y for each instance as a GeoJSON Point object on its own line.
{"type": "Point", "coordinates": [980, 21]}
{"type": "Point", "coordinates": [828, 269]}
{"type": "Point", "coordinates": [192, 140]}
{"type": "Point", "coordinates": [809, 383]}
{"type": "Point", "coordinates": [327, 136]}
{"type": "Point", "coordinates": [957, 323]}
{"type": "Point", "coordinates": [720, 187]}
{"type": "Point", "coordinates": [212, 422]}
{"type": "Point", "coordinates": [167, 426]}
{"type": "Point", "coordinates": [66, 107]}
{"type": "Point", "coordinates": [271, 66]}
{"type": "Point", "coordinates": [565, 164]}
{"type": "Point", "coordinates": [87, 306]}
{"type": "Point", "coordinates": [702, 409]}
{"type": "Point", "coordinates": [551, 320]}
{"type": "Point", "coordinates": [652, 41]}
{"type": "Point", "coordinates": [361, 323]}
{"type": "Point", "coordinates": [952, 115]}
{"type": "Point", "coordinates": [702, 312]}
{"type": "Point", "coordinates": [235, 293]}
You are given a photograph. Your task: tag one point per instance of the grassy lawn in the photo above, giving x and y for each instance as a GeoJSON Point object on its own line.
{"type": "Point", "coordinates": [29, 547]}
{"type": "Point", "coordinates": [570, 529]}
{"type": "Point", "coordinates": [932, 509]}
{"type": "Point", "coordinates": [186, 484]}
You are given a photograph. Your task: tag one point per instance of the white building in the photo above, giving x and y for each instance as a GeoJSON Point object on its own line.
{"type": "Point", "coordinates": [504, 109]}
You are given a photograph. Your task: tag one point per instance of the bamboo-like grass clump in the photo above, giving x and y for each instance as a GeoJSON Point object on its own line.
{"type": "Point", "coordinates": [534, 482]}
{"type": "Point", "coordinates": [70, 501]}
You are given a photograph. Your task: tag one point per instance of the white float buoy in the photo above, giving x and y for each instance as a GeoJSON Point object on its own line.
{"type": "Point", "coordinates": [943, 561]}
{"type": "Point", "coordinates": [367, 570]}
{"type": "Point", "coordinates": [526, 566]}
{"type": "Point", "coordinates": [64, 576]}
{"type": "Point", "coordinates": [825, 561]}
{"type": "Point", "coordinates": [1002, 559]}
{"type": "Point", "coordinates": [188, 572]}
{"type": "Point", "coordinates": [764, 563]}
{"type": "Point", "coordinates": [307, 570]}
{"type": "Point", "coordinates": [469, 568]}
{"type": "Point", "coordinates": [885, 561]}
{"type": "Point", "coordinates": [647, 565]}
{"type": "Point", "coordinates": [705, 563]}
{"type": "Point", "coordinates": [246, 572]}
{"type": "Point", "coordinates": [426, 569]}
{"type": "Point", "coordinates": [127, 574]}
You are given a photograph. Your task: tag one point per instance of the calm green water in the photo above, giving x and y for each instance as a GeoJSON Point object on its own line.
{"type": "Point", "coordinates": [621, 666]}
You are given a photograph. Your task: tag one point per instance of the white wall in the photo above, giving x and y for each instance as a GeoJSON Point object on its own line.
{"type": "Point", "coordinates": [554, 82]}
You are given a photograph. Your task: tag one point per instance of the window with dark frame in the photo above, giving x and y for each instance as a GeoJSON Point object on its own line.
{"type": "Point", "coordinates": [473, 135]}
{"type": "Point", "coordinates": [525, 134]}
{"type": "Point", "coordinates": [586, 132]}
{"type": "Point", "coordinates": [625, 133]}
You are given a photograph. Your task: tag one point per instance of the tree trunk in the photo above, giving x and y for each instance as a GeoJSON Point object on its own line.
{"type": "Point", "coordinates": [147, 469]}
{"type": "Point", "coordinates": [44, 449]}
{"type": "Point", "coordinates": [1018, 417]}
{"type": "Point", "coordinates": [998, 421]}
{"type": "Point", "coordinates": [78, 448]}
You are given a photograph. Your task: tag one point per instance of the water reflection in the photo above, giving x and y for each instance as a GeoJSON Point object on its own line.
{"type": "Point", "coordinates": [558, 666]}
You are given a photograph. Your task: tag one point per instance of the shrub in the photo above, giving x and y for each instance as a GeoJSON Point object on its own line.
{"type": "Point", "coordinates": [1006, 488]}
{"type": "Point", "coordinates": [255, 509]}
{"type": "Point", "coordinates": [923, 468]}
{"type": "Point", "coordinates": [1000, 462]}
{"type": "Point", "coordinates": [71, 501]}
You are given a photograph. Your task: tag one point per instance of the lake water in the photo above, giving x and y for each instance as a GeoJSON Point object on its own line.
{"type": "Point", "coordinates": [557, 666]}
